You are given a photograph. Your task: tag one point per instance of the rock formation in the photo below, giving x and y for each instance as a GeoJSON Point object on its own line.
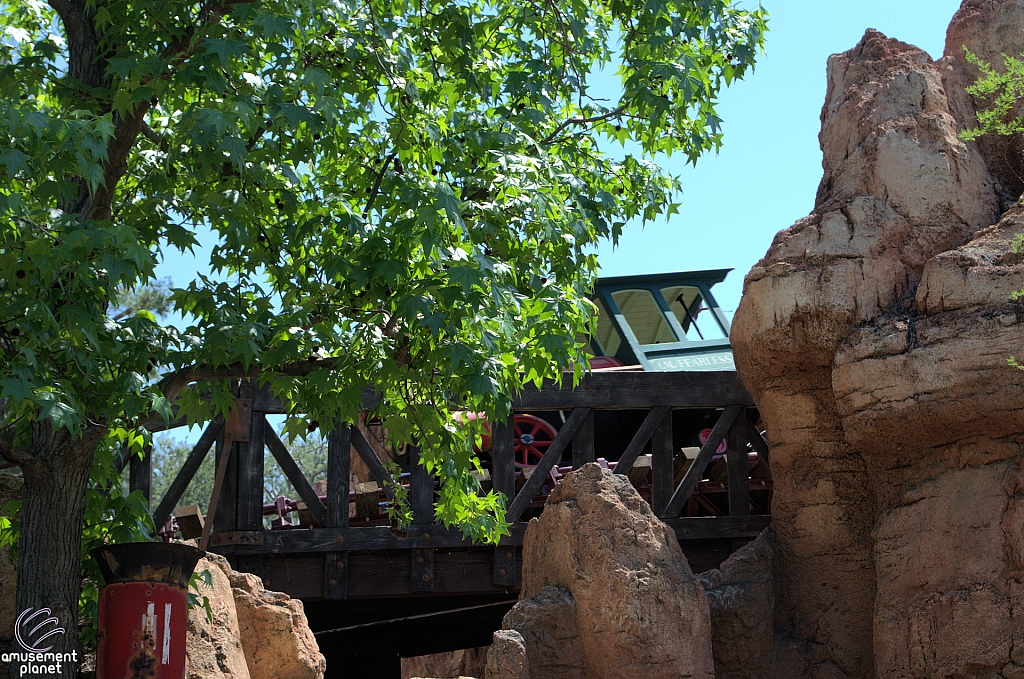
{"type": "Point", "coordinates": [255, 634]}
{"type": "Point", "coordinates": [607, 592]}
{"type": "Point", "coordinates": [213, 648]}
{"type": "Point", "coordinates": [468, 662]}
{"type": "Point", "coordinates": [741, 596]}
{"type": "Point", "coordinates": [874, 336]}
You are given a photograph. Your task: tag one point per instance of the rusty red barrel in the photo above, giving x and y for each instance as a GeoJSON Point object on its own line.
{"type": "Point", "coordinates": [143, 609]}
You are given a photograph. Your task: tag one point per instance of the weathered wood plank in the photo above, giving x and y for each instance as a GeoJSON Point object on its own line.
{"type": "Point", "coordinates": [640, 439]}
{"type": "Point", "coordinates": [373, 462]}
{"type": "Point", "coordinates": [336, 575]}
{"type": "Point", "coordinates": [661, 463]}
{"type": "Point", "coordinates": [503, 471]}
{"type": "Point", "coordinates": [693, 474]}
{"type": "Point", "coordinates": [367, 498]}
{"type": "Point", "coordinates": [250, 475]}
{"type": "Point", "coordinates": [291, 470]}
{"type": "Point", "coordinates": [583, 443]}
{"type": "Point", "coordinates": [339, 451]}
{"type": "Point", "coordinates": [505, 569]}
{"type": "Point", "coordinates": [363, 538]}
{"type": "Point", "coordinates": [188, 470]}
{"type": "Point", "coordinates": [421, 570]}
{"type": "Point", "coordinates": [540, 472]}
{"type": "Point", "coordinates": [190, 521]}
{"type": "Point", "coordinates": [739, 471]}
{"type": "Point", "coordinates": [638, 390]}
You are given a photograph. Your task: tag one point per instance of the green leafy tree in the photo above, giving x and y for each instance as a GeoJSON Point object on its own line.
{"type": "Point", "coordinates": [404, 195]}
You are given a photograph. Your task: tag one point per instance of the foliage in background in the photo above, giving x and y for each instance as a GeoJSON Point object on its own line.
{"type": "Point", "coordinates": [169, 453]}
{"type": "Point", "coordinates": [1003, 90]}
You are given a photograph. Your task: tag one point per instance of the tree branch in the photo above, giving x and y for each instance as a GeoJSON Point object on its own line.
{"type": "Point", "coordinates": [172, 385]}
{"type": "Point", "coordinates": [582, 121]}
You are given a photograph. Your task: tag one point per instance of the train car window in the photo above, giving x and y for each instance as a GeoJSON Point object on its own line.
{"type": "Point", "coordinates": [693, 314]}
{"type": "Point", "coordinates": [606, 335]}
{"type": "Point", "coordinates": [644, 316]}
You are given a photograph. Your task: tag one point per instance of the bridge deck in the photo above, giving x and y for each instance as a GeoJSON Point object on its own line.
{"type": "Point", "coordinates": [339, 561]}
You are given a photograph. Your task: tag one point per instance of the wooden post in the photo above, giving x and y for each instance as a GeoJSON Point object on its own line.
{"type": "Point", "coordinates": [140, 473]}
{"type": "Point", "coordinates": [339, 451]}
{"type": "Point", "coordinates": [421, 490]}
{"type": "Point", "coordinates": [739, 471]}
{"type": "Point", "coordinates": [250, 476]}
{"type": "Point", "coordinates": [583, 443]}
{"type": "Point", "coordinates": [503, 470]}
{"type": "Point", "coordinates": [336, 575]}
{"type": "Point", "coordinates": [661, 465]}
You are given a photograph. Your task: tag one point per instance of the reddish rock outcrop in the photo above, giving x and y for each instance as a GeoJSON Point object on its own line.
{"type": "Point", "coordinates": [874, 336]}
{"type": "Point", "coordinates": [607, 592]}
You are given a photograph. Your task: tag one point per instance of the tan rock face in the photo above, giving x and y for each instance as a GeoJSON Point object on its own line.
{"type": "Point", "coordinates": [274, 632]}
{"type": "Point", "coordinates": [467, 662]}
{"type": "Point", "coordinates": [213, 650]}
{"type": "Point", "coordinates": [741, 595]}
{"type": "Point", "coordinates": [607, 592]}
{"type": "Point", "coordinates": [874, 336]}
{"type": "Point", "coordinates": [506, 657]}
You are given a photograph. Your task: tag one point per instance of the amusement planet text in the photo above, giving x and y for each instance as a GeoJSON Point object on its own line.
{"type": "Point", "coordinates": [40, 663]}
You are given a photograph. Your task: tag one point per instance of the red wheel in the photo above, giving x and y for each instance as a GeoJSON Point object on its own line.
{"type": "Point", "coordinates": [533, 437]}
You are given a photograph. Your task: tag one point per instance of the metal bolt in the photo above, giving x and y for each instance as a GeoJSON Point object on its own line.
{"type": "Point", "coordinates": [334, 583]}
{"type": "Point", "coordinates": [420, 560]}
{"type": "Point", "coordinates": [426, 577]}
{"type": "Point", "coordinates": [339, 539]}
{"type": "Point", "coordinates": [501, 572]}
{"type": "Point", "coordinates": [341, 564]}
{"type": "Point", "coordinates": [426, 536]}
{"type": "Point", "coordinates": [508, 556]}
{"type": "Point", "coordinates": [743, 526]}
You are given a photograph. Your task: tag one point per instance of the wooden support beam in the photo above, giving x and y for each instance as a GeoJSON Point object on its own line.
{"type": "Point", "coordinates": [583, 443]}
{"type": "Point", "coordinates": [223, 510]}
{"type": "Point", "coordinates": [376, 467]}
{"type": "Point", "coordinates": [641, 470]}
{"type": "Point", "coordinates": [140, 473]}
{"type": "Point", "coordinates": [339, 446]}
{"type": "Point", "coordinates": [367, 498]}
{"type": "Point", "coordinates": [638, 390]}
{"type": "Point", "coordinates": [643, 435]}
{"type": "Point", "coordinates": [759, 444]}
{"type": "Point", "coordinates": [693, 474]}
{"type": "Point", "coordinates": [503, 470]}
{"type": "Point", "coordinates": [250, 475]}
{"type": "Point", "coordinates": [540, 472]}
{"type": "Point", "coordinates": [421, 570]}
{"type": "Point", "coordinates": [190, 521]}
{"type": "Point", "coordinates": [421, 490]}
{"type": "Point", "coordinates": [739, 470]}
{"type": "Point", "coordinates": [505, 570]}
{"type": "Point", "coordinates": [336, 575]}
{"type": "Point", "coordinates": [291, 470]}
{"type": "Point", "coordinates": [188, 470]}
{"type": "Point", "coordinates": [661, 463]}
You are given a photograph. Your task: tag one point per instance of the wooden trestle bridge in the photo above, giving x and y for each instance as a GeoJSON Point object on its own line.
{"type": "Point", "coordinates": [427, 589]}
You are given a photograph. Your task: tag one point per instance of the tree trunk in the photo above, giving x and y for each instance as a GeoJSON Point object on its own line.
{"type": "Point", "coordinates": [49, 560]}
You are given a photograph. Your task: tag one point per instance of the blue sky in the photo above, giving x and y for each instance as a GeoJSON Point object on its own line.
{"type": "Point", "coordinates": [767, 173]}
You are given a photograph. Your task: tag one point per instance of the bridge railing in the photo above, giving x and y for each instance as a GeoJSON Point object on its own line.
{"type": "Point", "coordinates": [238, 518]}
